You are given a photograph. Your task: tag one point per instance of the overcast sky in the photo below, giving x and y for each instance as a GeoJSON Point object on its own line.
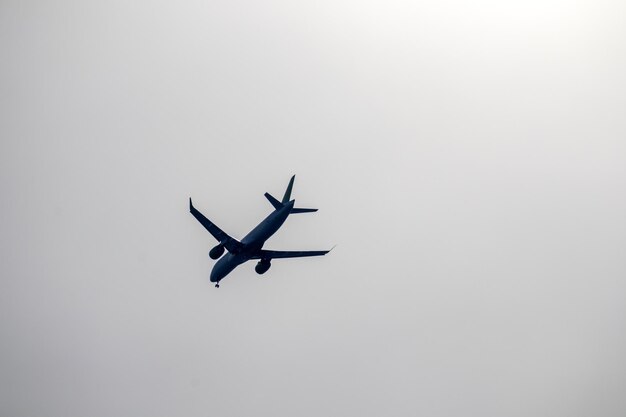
{"type": "Point", "coordinates": [468, 158]}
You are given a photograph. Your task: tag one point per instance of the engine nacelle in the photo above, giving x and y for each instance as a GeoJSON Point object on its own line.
{"type": "Point", "coordinates": [216, 252]}
{"type": "Point", "coordinates": [262, 266]}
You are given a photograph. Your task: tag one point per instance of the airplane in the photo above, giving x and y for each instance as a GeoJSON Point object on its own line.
{"type": "Point", "coordinates": [251, 246]}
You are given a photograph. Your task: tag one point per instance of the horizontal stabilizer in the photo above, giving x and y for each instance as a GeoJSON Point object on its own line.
{"type": "Point", "coordinates": [302, 210]}
{"type": "Point", "coordinates": [276, 254]}
{"type": "Point", "coordinates": [277, 204]}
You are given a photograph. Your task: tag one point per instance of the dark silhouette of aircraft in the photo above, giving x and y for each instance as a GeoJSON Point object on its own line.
{"type": "Point", "coordinates": [251, 246]}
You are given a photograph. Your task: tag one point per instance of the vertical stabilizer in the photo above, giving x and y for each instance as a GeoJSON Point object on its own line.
{"type": "Point", "coordinates": [287, 195]}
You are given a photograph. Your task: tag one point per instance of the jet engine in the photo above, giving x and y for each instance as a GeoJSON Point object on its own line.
{"type": "Point", "coordinates": [262, 266]}
{"type": "Point", "coordinates": [216, 252]}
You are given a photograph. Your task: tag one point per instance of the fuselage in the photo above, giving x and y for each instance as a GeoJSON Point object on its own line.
{"type": "Point", "coordinates": [252, 242]}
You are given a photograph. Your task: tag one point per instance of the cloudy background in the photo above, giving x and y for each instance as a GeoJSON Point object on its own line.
{"type": "Point", "coordinates": [468, 158]}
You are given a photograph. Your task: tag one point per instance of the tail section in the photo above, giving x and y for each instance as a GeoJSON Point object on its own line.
{"type": "Point", "coordinates": [286, 198]}
{"type": "Point", "coordinates": [287, 195]}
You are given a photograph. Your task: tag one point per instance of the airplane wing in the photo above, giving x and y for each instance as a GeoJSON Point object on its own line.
{"type": "Point", "coordinates": [233, 245]}
{"type": "Point", "coordinates": [273, 254]}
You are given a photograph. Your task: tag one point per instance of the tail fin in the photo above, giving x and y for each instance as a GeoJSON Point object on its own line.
{"type": "Point", "coordinates": [287, 195]}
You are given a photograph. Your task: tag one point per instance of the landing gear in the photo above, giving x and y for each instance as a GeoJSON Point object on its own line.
{"type": "Point", "coordinates": [217, 285]}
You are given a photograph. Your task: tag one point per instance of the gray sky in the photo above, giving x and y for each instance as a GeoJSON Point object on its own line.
{"type": "Point", "coordinates": [469, 158]}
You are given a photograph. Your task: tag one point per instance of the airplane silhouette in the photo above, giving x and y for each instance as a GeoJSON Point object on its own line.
{"type": "Point", "coordinates": [251, 246]}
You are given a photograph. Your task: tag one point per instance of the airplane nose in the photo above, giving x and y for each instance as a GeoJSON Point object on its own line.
{"type": "Point", "coordinates": [214, 276]}
{"type": "Point", "coordinates": [222, 268]}
{"type": "Point", "coordinates": [218, 272]}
